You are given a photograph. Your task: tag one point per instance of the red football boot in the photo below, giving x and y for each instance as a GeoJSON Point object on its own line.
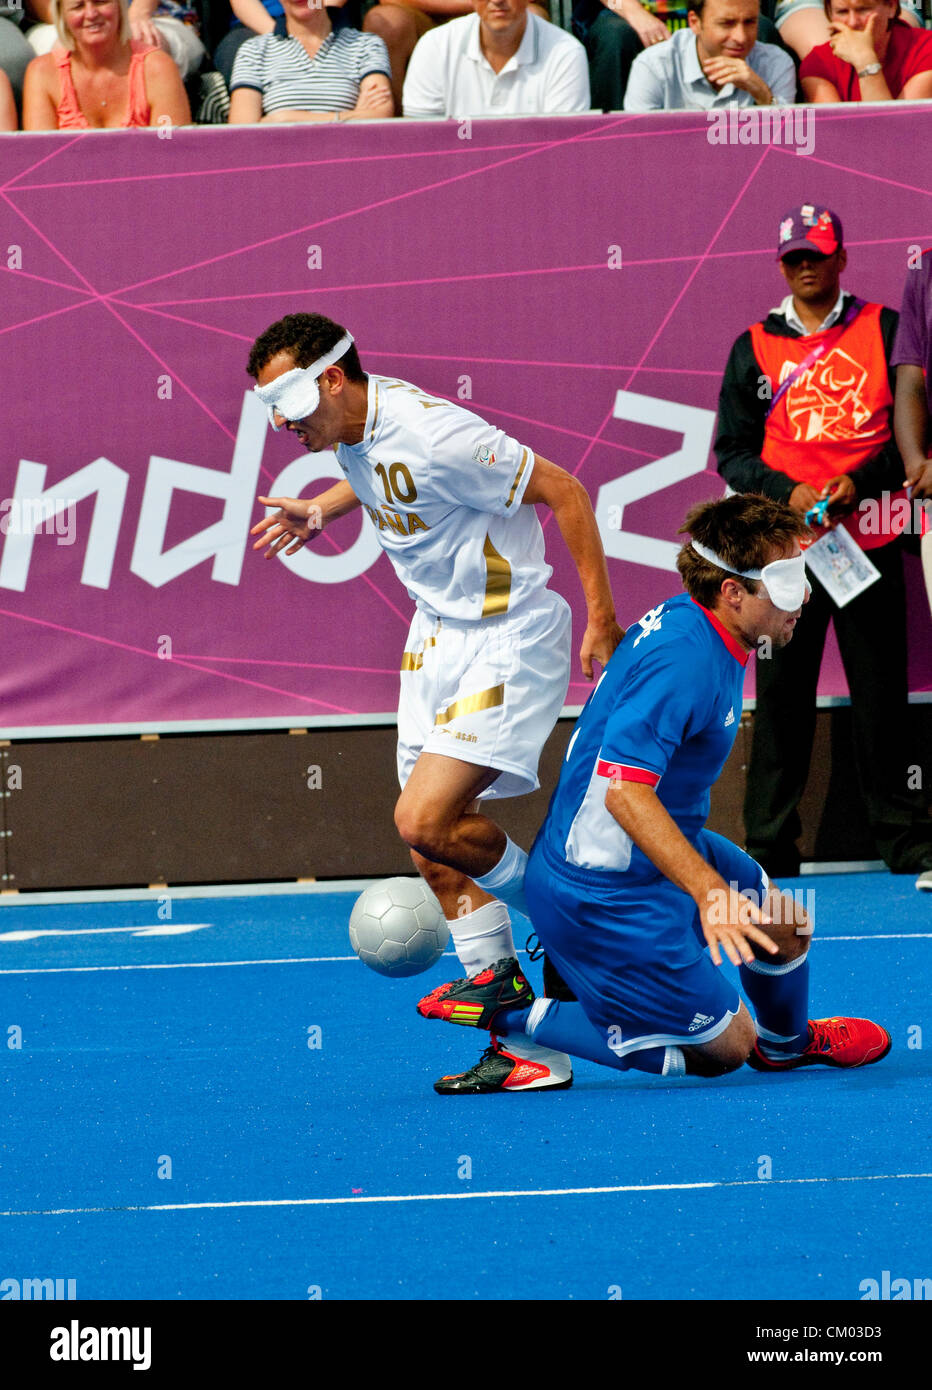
{"type": "Point", "coordinates": [833, 1042]}
{"type": "Point", "coordinates": [436, 994]}
{"type": "Point", "coordinates": [503, 1068]}
{"type": "Point", "coordinates": [476, 1001]}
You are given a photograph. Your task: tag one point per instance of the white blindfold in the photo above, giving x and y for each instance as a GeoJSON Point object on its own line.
{"type": "Point", "coordinates": [784, 580]}
{"type": "Point", "coordinates": [295, 394]}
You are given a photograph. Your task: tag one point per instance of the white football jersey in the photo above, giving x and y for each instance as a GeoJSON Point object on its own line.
{"type": "Point", "coordinates": [444, 489]}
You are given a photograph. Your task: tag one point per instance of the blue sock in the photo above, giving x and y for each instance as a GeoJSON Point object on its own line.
{"type": "Point", "coordinates": [565, 1027]}
{"type": "Point", "coordinates": [779, 995]}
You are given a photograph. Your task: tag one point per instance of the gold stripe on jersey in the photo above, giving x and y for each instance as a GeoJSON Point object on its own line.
{"type": "Point", "coordinates": [518, 476]}
{"type": "Point", "coordinates": [497, 581]}
{"type": "Point", "coordinates": [486, 699]}
{"type": "Point", "coordinates": [375, 418]}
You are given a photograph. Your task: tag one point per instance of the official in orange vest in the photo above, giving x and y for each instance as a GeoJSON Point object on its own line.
{"type": "Point", "coordinates": [805, 415]}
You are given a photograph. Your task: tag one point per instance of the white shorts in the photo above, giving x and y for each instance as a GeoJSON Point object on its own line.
{"type": "Point", "coordinates": [486, 692]}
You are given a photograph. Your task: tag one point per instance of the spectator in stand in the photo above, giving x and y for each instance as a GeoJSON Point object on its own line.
{"type": "Point", "coordinates": [251, 18]}
{"type": "Point", "coordinates": [15, 52]}
{"type": "Point", "coordinates": [174, 26]}
{"type": "Point", "coordinates": [8, 117]}
{"type": "Point", "coordinates": [616, 31]}
{"type": "Point", "coordinates": [805, 415]}
{"type": "Point", "coordinates": [716, 62]}
{"type": "Point", "coordinates": [167, 24]}
{"type": "Point", "coordinates": [305, 70]}
{"type": "Point", "coordinates": [872, 55]}
{"type": "Point", "coordinates": [401, 23]}
{"type": "Point", "coordinates": [100, 78]}
{"type": "Point", "coordinates": [500, 61]}
{"type": "Point", "coordinates": [803, 24]}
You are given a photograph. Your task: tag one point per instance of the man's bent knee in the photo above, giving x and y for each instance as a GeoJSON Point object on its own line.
{"type": "Point", "coordinates": [422, 829]}
{"type": "Point", "coordinates": [790, 928]}
{"type": "Point", "coordinates": [417, 829]}
{"type": "Point", "coordinates": [729, 1051]}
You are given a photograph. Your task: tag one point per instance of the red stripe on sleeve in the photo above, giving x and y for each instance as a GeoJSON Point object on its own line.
{"type": "Point", "coordinates": [621, 772]}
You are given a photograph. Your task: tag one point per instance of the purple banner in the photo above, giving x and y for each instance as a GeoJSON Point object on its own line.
{"type": "Point", "coordinates": [579, 281]}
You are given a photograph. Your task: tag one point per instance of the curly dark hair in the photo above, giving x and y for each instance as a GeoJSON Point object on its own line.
{"type": "Point", "coordinates": [745, 530]}
{"type": "Point", "coordinates": [306, 337]}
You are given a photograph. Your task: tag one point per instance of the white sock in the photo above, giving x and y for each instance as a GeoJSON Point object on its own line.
{"type": "Point", "coordinates": [561, 1066]}
{"type": "Point", "coordinates": [506, 879]}
{"type": "Point", "coordinates": [674, 1063]}
{"type": "Point", "coordinates": [558, 1062]}
{"type": "Point", "coordinates": [482, 937]}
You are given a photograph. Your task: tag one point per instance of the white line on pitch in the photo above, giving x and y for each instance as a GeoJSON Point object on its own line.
{"type": "Point", "coordinates": [325, 960]}
{"type": "Point", "coordinates": [176, 965]}
{"type": "Point", "coordinates": [879, 936]}
{"type": "Point", "coordinates": [473, 1196]}
{"type": "Point", "coordinates": [160, 929]}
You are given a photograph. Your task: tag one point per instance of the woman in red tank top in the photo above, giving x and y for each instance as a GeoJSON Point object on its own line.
{"type": "Point", "coordinates": [98, 78]}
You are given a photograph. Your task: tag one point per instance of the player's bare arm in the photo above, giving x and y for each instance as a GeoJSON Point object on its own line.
{"type": "Point", "coordinates": [911, 425]}
{"type": "Point", "coordinates": [641, 814]}
{"type": "Point", "coordinates": [299, 519]}
{"type": "Point", "coordinates": [569, 501]}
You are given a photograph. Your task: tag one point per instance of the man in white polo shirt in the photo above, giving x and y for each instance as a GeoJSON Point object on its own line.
{"type": "Point", "coordinates": [716, 62]}
{"type": "Point", "coordinates": [500, 61]}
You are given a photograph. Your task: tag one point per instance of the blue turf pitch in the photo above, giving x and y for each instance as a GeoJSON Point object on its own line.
{"type": "Point", "coordinates": [207, 1065]}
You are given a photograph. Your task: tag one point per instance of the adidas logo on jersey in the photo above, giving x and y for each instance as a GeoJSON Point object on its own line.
{"type": "Point", "coordinates": [730, 717]}
{"type": "Point", "coordinates": [701, 1021]}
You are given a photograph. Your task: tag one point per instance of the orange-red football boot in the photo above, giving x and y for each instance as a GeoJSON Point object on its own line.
{"type": "Point", "coordinates": [833, 1042]}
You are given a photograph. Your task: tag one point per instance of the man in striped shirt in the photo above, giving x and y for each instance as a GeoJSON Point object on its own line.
{"type": "Point", "coordinates": [306, 71]}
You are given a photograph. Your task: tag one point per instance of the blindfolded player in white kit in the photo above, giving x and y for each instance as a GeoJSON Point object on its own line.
{"type": "Point", "coordinates": [487, 661]}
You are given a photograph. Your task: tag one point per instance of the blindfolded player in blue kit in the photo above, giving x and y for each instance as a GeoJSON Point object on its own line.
{"type": "Point", "coordinates": [632, 898]}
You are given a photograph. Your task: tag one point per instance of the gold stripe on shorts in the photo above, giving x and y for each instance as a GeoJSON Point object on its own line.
{"type": "Point", "coordinates": [413, 661]}
{"type": "Point", "coordinates": [497, 581]}
{"type": "Point", "coordinates": [486, 699]}
{"type": "Point", "coordinates": [518, 476]}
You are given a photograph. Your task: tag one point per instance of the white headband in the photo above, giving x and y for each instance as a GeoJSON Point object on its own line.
{"type": "Point", "coordinates": [784, 580]}
{"type": "Point", "coordinates": [295, 394]}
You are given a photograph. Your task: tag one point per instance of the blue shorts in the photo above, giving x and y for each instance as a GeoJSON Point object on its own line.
{"type": "Point", "coordinates": [633, 953]}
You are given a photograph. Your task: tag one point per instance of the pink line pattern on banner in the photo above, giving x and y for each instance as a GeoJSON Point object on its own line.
{"type": "Point", "coordinates": [154, 656]}
{"type": "Point", "coordinates": [426, 277]}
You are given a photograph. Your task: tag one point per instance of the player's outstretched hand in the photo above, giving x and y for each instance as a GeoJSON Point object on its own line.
{"type": "Point", "coordinates": [730, 922]}
{"type": "Point", "coordinates": [297, 521]}
{"type": "Point", "coordinates": [599, 641]}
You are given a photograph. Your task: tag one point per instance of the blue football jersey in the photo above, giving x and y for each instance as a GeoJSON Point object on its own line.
{"type": "Point", "coordinates": [665, 711]}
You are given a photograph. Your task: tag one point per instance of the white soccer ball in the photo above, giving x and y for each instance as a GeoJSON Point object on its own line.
{"type": "Point", "coordinates": [397, 927]}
